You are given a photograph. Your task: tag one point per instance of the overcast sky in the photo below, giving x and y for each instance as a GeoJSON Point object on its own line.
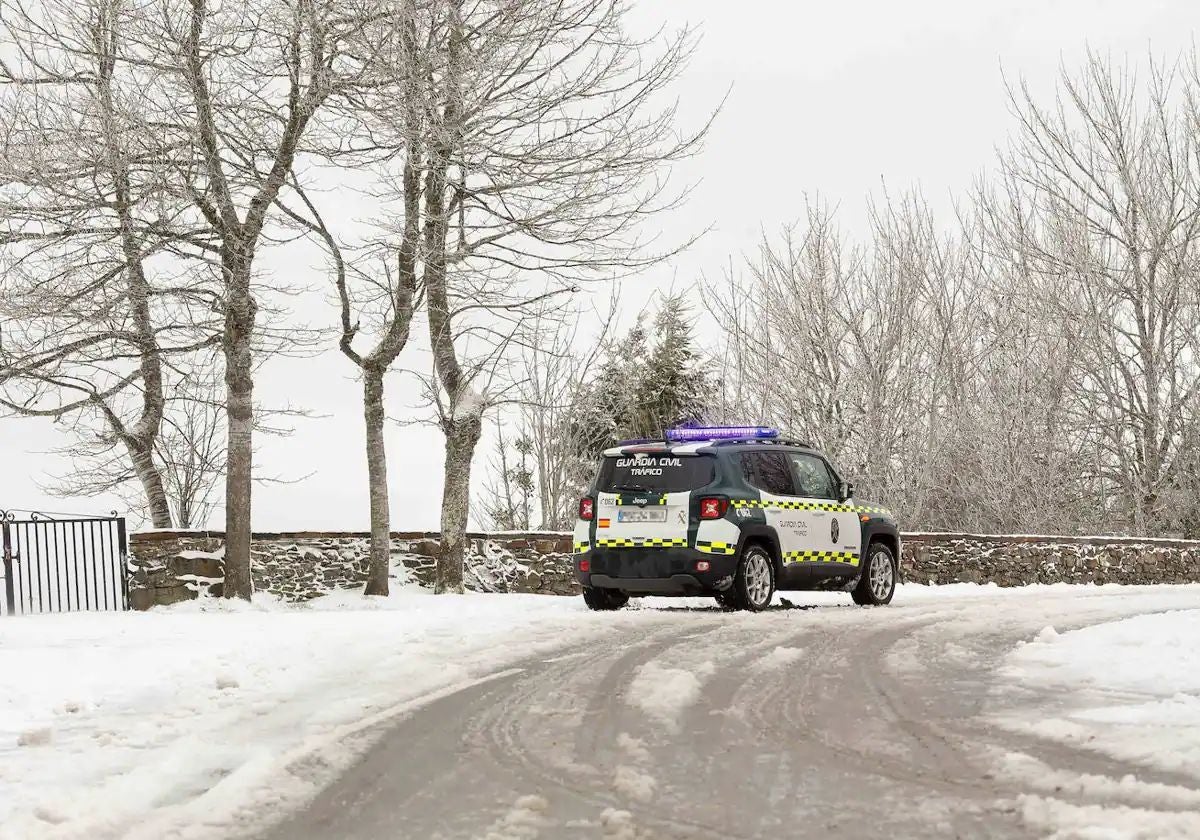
{"type": "Point", "coordinates": [832, 98]}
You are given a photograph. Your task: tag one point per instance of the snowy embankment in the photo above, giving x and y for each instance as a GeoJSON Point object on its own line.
{"type": "Point", "coordinates": [184, 721]}
{"type": "Point", "coordinates": [1127, 691]}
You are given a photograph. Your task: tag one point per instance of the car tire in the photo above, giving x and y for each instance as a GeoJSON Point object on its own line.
{"type": "Point", "coordinates": [604, 599]}
{"type": "Point", "coordinates": [754, 583]}
{"type": "Point", "coordinates": [877, 584]}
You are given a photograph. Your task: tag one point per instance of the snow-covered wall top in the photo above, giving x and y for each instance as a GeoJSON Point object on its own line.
{"type": "Point", "coordinates": [1057, 539]}
{"type": "Point", "coordinates": [171, 566]}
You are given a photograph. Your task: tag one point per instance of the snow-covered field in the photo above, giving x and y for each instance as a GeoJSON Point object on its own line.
{"type": "Point", "coordinates": [1129, 690]}
{"type": "Point", "coordinates": [189, 721]}
{"type": "Point", "coordinates": [183, 720]}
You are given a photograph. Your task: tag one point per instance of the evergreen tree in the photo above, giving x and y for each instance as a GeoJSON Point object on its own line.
{"type": "Point", "coordinates": [674, 383]}
{"type": "Point", "coordinates": [647, 381]}
{"type": "Point", "coordinates": [650, 380]}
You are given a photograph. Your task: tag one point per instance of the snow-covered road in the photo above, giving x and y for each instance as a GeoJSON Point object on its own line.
{"type": "Point", "coordinates": [824, 722]}
{"type": "Point", "coordinates": [955, 712]}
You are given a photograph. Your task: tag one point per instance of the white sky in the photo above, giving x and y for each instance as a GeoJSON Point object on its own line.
{"type": "Point", "coordinates": [834, 98]}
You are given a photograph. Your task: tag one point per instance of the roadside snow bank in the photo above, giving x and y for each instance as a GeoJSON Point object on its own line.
{"type": "Point", "coordinates": [1130, 691]}
{"type": "Point", "coordinates": [204, 718]}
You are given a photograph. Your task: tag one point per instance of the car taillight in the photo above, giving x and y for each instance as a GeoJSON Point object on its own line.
{"type": "Point", "coordinates": [587, 508]}
{"type": "Point", "coordinates": [713, 507]}
{"type": "Point", "coordinates": [585, 565]}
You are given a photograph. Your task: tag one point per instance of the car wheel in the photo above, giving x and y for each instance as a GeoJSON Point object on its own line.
{"type": "Point", "coordinates": [754, 583]}
{"type": "Point", "coordinates": [877, 584]}
{"type": "Point", "coordinates": [604, 599]}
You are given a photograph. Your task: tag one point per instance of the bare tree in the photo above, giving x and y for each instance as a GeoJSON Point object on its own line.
{"type": "Point", "coordinates": [1100, 199]}
{"type": "Point", "coordinates": [543, 151]}
{"type": "Point", "coordinates": [388, 299]}
{"type": "Point", "coordinates": [541, 467]}
{"type": "Point", "coordinates": [192, 445]}
{"type": "Point", "coordinates": [92, 312]}
{"type": "Point", "coordinates": [1035, 363]}
{"type": "Point", "coordinates": [245, 85]}
{"type": "Point", "coordinates": [508, 496]}
{"type": "Point", "coordinates": [189, 451]}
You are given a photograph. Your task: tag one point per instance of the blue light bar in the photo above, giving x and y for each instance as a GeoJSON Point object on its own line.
{"type": "Point", "coordinates": [721, 433]}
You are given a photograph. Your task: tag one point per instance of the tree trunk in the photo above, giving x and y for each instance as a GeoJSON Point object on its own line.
{"type": "Point", "coordinates": [462, 435]}
{"type": "Point", "coordinates": [381, 544]}
{"type": "Point", "coordinates": [146, 431]}
{"type": "Point", "coordinates": [152, 485]}
{"type": "Point", "coordinates": [240, 310]}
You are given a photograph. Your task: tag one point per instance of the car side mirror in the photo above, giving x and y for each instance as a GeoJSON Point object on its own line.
{"type": "Point", "coordinates": [847, 490]}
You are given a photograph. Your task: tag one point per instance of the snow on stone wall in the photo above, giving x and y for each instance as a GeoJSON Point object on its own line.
{"type": "Point", "coordinates": [171, 566]}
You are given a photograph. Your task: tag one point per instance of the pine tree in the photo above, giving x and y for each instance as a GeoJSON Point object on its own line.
{"type": "Point", "coordinates": [649, 380]}
{"type": "Point", "coordinates": [646, 385]}
{"type": "Point", "coordinates": [672, 388]}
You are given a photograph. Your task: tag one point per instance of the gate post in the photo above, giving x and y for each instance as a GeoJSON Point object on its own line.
{"type": "Point", "coordinates": [123, 552]}
{"type": "Point", "coordinates": [10, 595]}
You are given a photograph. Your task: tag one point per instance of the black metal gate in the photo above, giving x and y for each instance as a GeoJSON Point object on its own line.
{"type": "Point", "coordinates": [62, 563]}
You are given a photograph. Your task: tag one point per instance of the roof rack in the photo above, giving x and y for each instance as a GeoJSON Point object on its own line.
{"type": "Point", "coordinates": [626, 444]}
{"type": "Point", "coordinates": [638, 442]}
{"type": "Point", "coordinates": [776, 441]}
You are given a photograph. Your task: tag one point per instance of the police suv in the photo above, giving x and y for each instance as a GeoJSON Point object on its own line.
{"type": "Point", "coordinates": [732, 512]}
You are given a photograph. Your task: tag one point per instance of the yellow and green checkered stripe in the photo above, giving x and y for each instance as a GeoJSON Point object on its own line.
{"type": "Point", "coordinates": [783, 504]}
{"type": "Point", "coordinates": [644, 542]}
{"type": "Point", "coordinates": [820, 557]}
{"type": "Point", "coordinates": [583, 547]}
{"type": "Point", "coordinates": [710, 547]}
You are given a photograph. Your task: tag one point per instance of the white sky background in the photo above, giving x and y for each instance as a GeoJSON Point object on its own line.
{"type": "Point", "coordinates": [826, 98]}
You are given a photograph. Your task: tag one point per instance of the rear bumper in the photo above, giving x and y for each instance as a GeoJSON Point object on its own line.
{"type": "Point", "coordinates": [656, 571]}
{"type": "Point", "coordinates": [674, 585]}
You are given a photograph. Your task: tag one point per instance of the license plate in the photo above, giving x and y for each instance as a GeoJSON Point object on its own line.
{"type": "Point", "coordinates": [641, 516]}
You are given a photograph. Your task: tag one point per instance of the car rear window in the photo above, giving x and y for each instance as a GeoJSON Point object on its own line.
{"type": "Point", "coordinates": [665, 473]}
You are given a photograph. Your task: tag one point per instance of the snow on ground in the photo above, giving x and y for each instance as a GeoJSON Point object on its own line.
{"type": "Point", "coordinates": [664, 692]}
{"type": "Point", "coordinates": [203, 719]}
{"type": "Point", "coordinates": [1131, 688]}
{"type": "Point", "coordinates": [1128, 690]}
{"type": "Point", "coordinates": [779, 657]}
{"type": "Point", "coordinates": [182, 721]}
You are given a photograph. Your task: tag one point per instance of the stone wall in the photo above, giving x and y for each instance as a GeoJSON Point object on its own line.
{"type": "Point", "coordinates": [1021, 560]}
{"type": "Point", "coordinates": [171, 566]}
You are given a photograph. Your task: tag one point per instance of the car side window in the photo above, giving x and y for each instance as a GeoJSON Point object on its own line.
{"type": "Point", "coordinates": [769, 471]}
{"type": "Point", "coordinates": [812, 477]}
